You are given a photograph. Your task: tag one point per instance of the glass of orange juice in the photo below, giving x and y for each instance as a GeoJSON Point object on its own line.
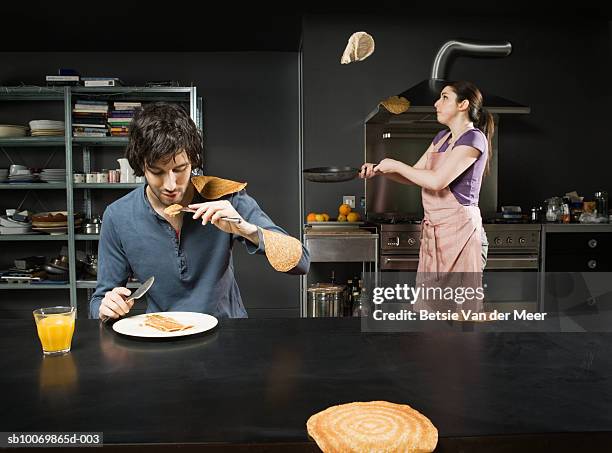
{"type": "Point", "coordinates": [55, 327]}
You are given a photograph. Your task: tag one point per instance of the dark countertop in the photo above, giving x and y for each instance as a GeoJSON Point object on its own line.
{"type": "Point", "coordinates": [256, 381]}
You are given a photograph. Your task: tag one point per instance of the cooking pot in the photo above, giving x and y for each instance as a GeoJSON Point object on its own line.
{"type": "Point", "coordinates": [325, 300]}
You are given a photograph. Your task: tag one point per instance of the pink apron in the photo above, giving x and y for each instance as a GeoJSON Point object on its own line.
{"type": "Point", "coordinates": [450, 239]}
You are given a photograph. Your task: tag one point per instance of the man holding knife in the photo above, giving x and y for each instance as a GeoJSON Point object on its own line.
{"type": "Point", "coordinates": [191, 260]}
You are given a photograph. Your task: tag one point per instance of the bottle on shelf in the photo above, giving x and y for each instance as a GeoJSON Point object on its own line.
{"type": "Point", "coordinates": [349, 298]}
{"type": "Point", "coordinates": [565, 211]}
{"type": "Point", "coordinates": [358, 300]}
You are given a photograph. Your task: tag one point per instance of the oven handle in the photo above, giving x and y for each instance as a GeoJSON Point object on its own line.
{"type": "Point", "coordinates": [400, 260]}
{"type": "Point", "coordinates": [493, 261]}
{"type": "Point", "coordinates": [512, 262]}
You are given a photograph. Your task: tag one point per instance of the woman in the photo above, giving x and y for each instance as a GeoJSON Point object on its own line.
{"type": "Point", "coordinates": [450, 173]}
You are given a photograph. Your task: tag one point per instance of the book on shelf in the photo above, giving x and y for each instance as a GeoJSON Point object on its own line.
{"type": "Point", "coordinates": [121, 114]}
{"type": "Point", "coordinates": [62, 78]}
{"type": "Point", "coordinates": [89, 134]}
{"type": "Point", "coordinates": [96, 125]}
{"type": "Point", "coordinates": [119, 105]}
{"type": "Point", "coordinates": [90, 108]}
{"type": "Point", "coordinates": [102, 83]}
{"type": "Point", "coordinates": [90, 102]}
{"type": "Point", "coordinates": [97, 116]}
{"type": "Point", "coordinates": [87, 129]}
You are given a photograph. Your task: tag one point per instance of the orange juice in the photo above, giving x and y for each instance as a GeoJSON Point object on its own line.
{"type": "Point", "coordinates": [55, 328]}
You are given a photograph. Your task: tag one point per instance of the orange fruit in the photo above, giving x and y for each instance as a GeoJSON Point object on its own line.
{"type": "Point", "coordinates": [325, 216]}
{"type": "Point", "coordinates": [353, 217]}
{"type": "Point", "coordinates": [311, 217]}
{"type": "Point", "coordinates": [341, 218]}
{"type": "Point", "coordinates": [344, 209]}
{"type": "Point", "coordinates": [319, 218]}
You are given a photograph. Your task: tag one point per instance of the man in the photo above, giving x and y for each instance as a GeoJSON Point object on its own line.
{"type": "Point", "coordinates": [190, 254]}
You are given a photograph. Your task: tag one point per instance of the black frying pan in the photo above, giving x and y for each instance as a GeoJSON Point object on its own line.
{"type": "Point", "coordinates": [331, 174]}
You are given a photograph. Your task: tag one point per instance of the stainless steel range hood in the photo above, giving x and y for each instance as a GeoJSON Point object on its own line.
{"type": "Point", "coordinates": [423, 95]}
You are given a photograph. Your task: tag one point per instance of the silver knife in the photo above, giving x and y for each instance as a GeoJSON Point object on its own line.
{"type": "Point", "coordinates": [142, 289]}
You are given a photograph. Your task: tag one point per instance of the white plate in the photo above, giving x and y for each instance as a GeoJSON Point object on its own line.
{"type": "Point", "coordinates": [134, 325]}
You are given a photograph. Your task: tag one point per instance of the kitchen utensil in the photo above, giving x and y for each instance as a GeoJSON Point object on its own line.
{"type": "Point", "coordinates": [227, 219]}
{"type": "Point", "coordinates": [330, 174]}
{"type": "Point", "coordinates": [142, 289]}
{"type": "Point", "coordinates": [325, 300]}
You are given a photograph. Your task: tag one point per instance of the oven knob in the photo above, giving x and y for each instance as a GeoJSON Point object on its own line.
{"type": "Point", "coordinates": [394, 241]}
{"type": "Point", "coordinates": [509, 240]}
{"type": "Point", "coordinates": [497, 241]}
{"type": "Point", "coordinates": [411, 241]}
{"type": "Point", "coordinates": [593, 243]}
{"type": "Point", "coordinates": [522, 241]}
{"type": "Point", "coordinates": [592, 264]}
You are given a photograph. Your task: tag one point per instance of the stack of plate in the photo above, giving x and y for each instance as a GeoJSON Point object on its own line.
{"type": "Point", "coordinates": [53, 175]}
{"type": "Point", "coordinates": [21, 176]}
{"type": "Point", "coordinates": [8, 225]}
{"type": "Point", "coordinates": [3, 174]}
{"type": "Point", "coordinates": [11, 130]}
{"type": "Point", "coordinates": [46, 128]}
{"type": "Point", "coordinates": [54, 222]}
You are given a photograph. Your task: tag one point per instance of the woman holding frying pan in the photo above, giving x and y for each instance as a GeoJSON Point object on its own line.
{"type": "Point", "coordinates": [450, 173]}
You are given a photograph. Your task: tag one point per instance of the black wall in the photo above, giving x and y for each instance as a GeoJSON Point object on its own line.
{"type": "Point", "coordinates": [251, 130]}
{"type": "Point", "coordinates": [560, 67]}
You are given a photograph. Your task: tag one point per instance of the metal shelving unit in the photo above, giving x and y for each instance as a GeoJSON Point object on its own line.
{"type": "Point", "coordinates": [32, 141]}
{"type": "Point", "coordinates": [84, 145]}
{"type": "Point", "coordinates": [107, 185]}
{"type": "Point", "coordinates": [33, 286]}
{"type": "Point", "coordinates": [34, 185]}
{"type": "Point", "coordinates": [91, 284]}
{"type": "Point", "coordinates": [34, 237]}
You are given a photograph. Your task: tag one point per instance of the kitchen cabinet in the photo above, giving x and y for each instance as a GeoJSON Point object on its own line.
{"type": "Point", "coordinates": [344, 248]}
{"type": "Point", "coordinates": [577, 248]}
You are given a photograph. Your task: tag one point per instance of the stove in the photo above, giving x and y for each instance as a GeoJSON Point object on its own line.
{"type": "Point", "coordinates": [513, 244]}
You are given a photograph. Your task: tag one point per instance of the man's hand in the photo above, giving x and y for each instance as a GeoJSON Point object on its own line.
{"type": "Point", "coordinates": [114, 303]}
{"type": "Point", "coordinates": [212, 212]}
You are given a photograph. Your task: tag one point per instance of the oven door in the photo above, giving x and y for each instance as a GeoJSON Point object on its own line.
{"type": "Point", "coordinates": [511, 281]}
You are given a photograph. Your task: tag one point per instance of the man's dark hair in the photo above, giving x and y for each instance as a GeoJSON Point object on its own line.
{"type": "Point", "coordinates": [159, 132]}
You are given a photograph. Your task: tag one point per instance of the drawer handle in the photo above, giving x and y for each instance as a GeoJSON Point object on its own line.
{"type": "Point", "coordinates": [592, 264]}
{"type": "Point", "coordinates": [593, 243]}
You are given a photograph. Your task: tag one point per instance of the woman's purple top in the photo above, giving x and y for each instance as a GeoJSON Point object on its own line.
{"type": "Point", "coordinates": [466, 187]}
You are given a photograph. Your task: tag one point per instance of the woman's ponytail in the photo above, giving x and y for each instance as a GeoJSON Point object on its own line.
{"type": "Point", "coordinates": [486, 124]}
